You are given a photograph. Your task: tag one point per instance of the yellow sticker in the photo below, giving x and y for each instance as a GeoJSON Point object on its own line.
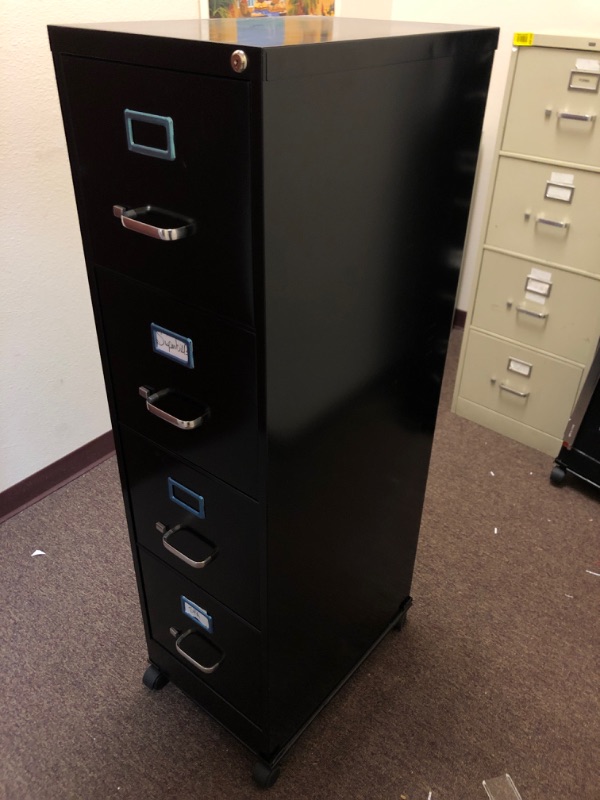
{"type": "Point", "coordinates": [523, 39]}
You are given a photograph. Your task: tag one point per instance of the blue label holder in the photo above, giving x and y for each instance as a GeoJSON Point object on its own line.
{"type": "Point", "coordinates": [151, 119]}
{"type": "Point", "coordinates": [172, 345]}
{"type": "Point", "coordinates": [196, 613]}
{"type": "Point", "coordinates": [197, 510]}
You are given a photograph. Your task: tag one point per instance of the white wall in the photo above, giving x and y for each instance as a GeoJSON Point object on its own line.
{"type": "Point", "coordinates": [51, 391]}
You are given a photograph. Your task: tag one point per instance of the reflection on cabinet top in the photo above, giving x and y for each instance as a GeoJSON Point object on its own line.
{"type": "Point", "coordinates": [276, 49]}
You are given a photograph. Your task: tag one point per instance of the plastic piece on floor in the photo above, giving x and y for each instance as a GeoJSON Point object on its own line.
{"type": "Point", "coordinates": [38, 553]}
{"type": "Point", "coordinates": [501, 788]}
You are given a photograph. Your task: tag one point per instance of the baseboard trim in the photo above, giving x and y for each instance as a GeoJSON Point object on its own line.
{"type": "Point", "coordinates": [39, 485]}
{"type": "Point", "coordinates": [460, 318]}
{"type": "Point", "coordinates": [48, 480]}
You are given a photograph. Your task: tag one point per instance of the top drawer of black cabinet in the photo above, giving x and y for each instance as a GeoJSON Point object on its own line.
{"type": "Point", "coordinates": [163, 165]}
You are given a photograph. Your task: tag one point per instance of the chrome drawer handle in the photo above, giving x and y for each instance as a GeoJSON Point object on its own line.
{"type": "Point", "coordinates": [185, 424]}
{"type": "Point", "coordinates": [536, 314]}
{"type": "Point", "coordinates": [132, 219]}
{"type": "Point", "coordinates": [207, 670]}
{"type": "Point", "coordinates": [168, 532]}
{"type": "Point", "coordinates": [510, 390]}
{"type": "Point", "coordinates": [576, 117]}
{"type": "Point", "coordinates": [555, 223]}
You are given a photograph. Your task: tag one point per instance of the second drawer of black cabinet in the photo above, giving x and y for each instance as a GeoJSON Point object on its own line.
{"type": "Point", "coordinates": [199, 526]}
{"type": "Point", "coordinates": [218, 647]}
{"type": "Point", "coordinates": [184, 379]}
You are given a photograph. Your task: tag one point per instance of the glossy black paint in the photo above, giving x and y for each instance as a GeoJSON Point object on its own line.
{"type": "Point", "coordinates": [357, 149]}
{"type": "Point", "coordinates": [211, 268]}
{"type": "Point", "coordinates": [231, 524]}
{"type": "Point", "coordinates": [361, 266]}
{"type": "Point", "coordinates": [583, 457]}
{"type": "Point", "coordinates": [237, 678]}
{"type": "Point", "coordinates": [223, 378]}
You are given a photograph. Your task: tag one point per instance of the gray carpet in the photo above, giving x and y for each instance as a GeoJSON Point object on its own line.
{"type": "Point", "coordinates": [495, 671]}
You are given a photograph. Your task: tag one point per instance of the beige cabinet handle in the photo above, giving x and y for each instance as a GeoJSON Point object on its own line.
{"type": "Point", "coordinates": [530, 313]}
{"type": "Point", "coordinates": [510, 390]}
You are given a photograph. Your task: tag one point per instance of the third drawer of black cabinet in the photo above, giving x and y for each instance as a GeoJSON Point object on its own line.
{"type": "Point", "coordinates": [168, 153]}
{"type": "Point", "coordinates": [199, 526]}
{"type": "Point", "coordinates": [183, 379]}
{"type": "Point", "coordinates": [218, 647]}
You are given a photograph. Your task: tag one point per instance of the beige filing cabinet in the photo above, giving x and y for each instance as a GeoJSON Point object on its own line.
{"type": "Point", "coordinates": [534, 321]}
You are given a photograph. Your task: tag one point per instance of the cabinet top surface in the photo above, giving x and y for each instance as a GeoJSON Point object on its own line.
{"type": "Point", "coordinates": [276, 48]}
{"type": "Point", "coordinates": [570, 40]}
{"type": "Point", "coordinates": [277, 31]}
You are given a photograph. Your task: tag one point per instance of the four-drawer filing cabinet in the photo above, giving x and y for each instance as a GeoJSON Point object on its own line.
{"type": "Point", "coordinates": [256, 201]}
{"type": "Point", "coordinates": [534, 322]}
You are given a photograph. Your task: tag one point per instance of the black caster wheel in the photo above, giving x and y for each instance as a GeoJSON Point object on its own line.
{"type": "Point", "coordinates": [558, 475]}
{"type": "Point", "coordinates": [154, 679]}
{"type": "Point", "coordinates": [401, 623]}
{"type": "Point", "coordinates": [264, 775]}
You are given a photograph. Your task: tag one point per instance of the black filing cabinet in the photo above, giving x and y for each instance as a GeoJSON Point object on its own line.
{"type": "Point", "coordinates": [580, 451]}
{"type": "Point", "coordinates": [273, 215]}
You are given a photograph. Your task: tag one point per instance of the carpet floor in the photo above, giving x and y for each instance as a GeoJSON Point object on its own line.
{"type": "Point", "coordinates": [495, 671]}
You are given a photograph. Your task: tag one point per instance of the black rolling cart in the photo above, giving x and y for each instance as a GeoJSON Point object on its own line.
{"type": "Point", "coordinates": [580, 452]}
{"type": "Point", "coordinates": [273, 215]}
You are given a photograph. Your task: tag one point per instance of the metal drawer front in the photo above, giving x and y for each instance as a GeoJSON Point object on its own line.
{"type": "Point", "coordinates": [215, 527]}
{"type": "Point", "coordinates": [217, 647]}
{"type": "Point", "coordinates": [555, 106]}
{"type": "Point", "coordinates": [527, 218]}
{"type": "Point", "coordinates": [531, 388]}
{"type": "Point", "coordinates": [195, 367]}
{"type": "Point", "coordinates": [172, 151]}
{"type": "Point", "coordinates": [531, 304]}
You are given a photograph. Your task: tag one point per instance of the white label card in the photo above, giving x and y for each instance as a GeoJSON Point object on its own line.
{"type": "Point", "coordinates": [562, 177]}
{"type": "Point", "coordinates": [563, 193]}
{"type": "Point", "coordinates": [590, 64]}
{"type": "Point", "coordinates": [537, 286]}
{"type": "Point", "coordinates": [198, 614]}
{"type": "Point", "coordinates": [520, 367]}
{"type": "Point", "coordinates": [535, 298]}
{"type": "Point", "coordinates": [584, 81]}
{"type": "Point", "coordinates": [541, 275]}
{"type": "Point", "coordinates": [172, 345]}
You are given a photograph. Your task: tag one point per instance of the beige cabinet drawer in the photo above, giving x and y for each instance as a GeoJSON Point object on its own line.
{"type": "Point", "coordinates": [527, 217]}
{"type": "Point", "coordinates": [566, 322]}
{"type": "Point", "coordinates": [494, 377]}
{"type": "Point", "coordinates": [550, 84]}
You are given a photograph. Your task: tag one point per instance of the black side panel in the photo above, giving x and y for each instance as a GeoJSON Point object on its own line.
{"type": "Point", "coordinates": [583, 458]}
{"type": "Point", "coordinates": [363, 252]}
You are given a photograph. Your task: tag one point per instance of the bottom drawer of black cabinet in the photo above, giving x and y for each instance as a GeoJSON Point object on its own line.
{"type": "Point", "coordinates": [218, 647]}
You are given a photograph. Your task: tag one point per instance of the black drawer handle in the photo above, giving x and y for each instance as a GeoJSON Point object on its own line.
{"type": "Point", "coordinates": [151, 398]}
{"type": "Point", "coordinates": [168, 532]}
{"type": "Point", "coordinates": [202, 667]}
{"type": "Point", "coordinates": [133, 220]}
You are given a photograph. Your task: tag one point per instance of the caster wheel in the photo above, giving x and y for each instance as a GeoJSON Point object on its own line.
{"type": "Point", "coordinates": [558, 475]}
{"type": "Point", "coordinates": [401, 623]}
{"type": "Point", "coordinates": [264, 775]}
{"type": "Point", "coordinates": [154, 679]}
